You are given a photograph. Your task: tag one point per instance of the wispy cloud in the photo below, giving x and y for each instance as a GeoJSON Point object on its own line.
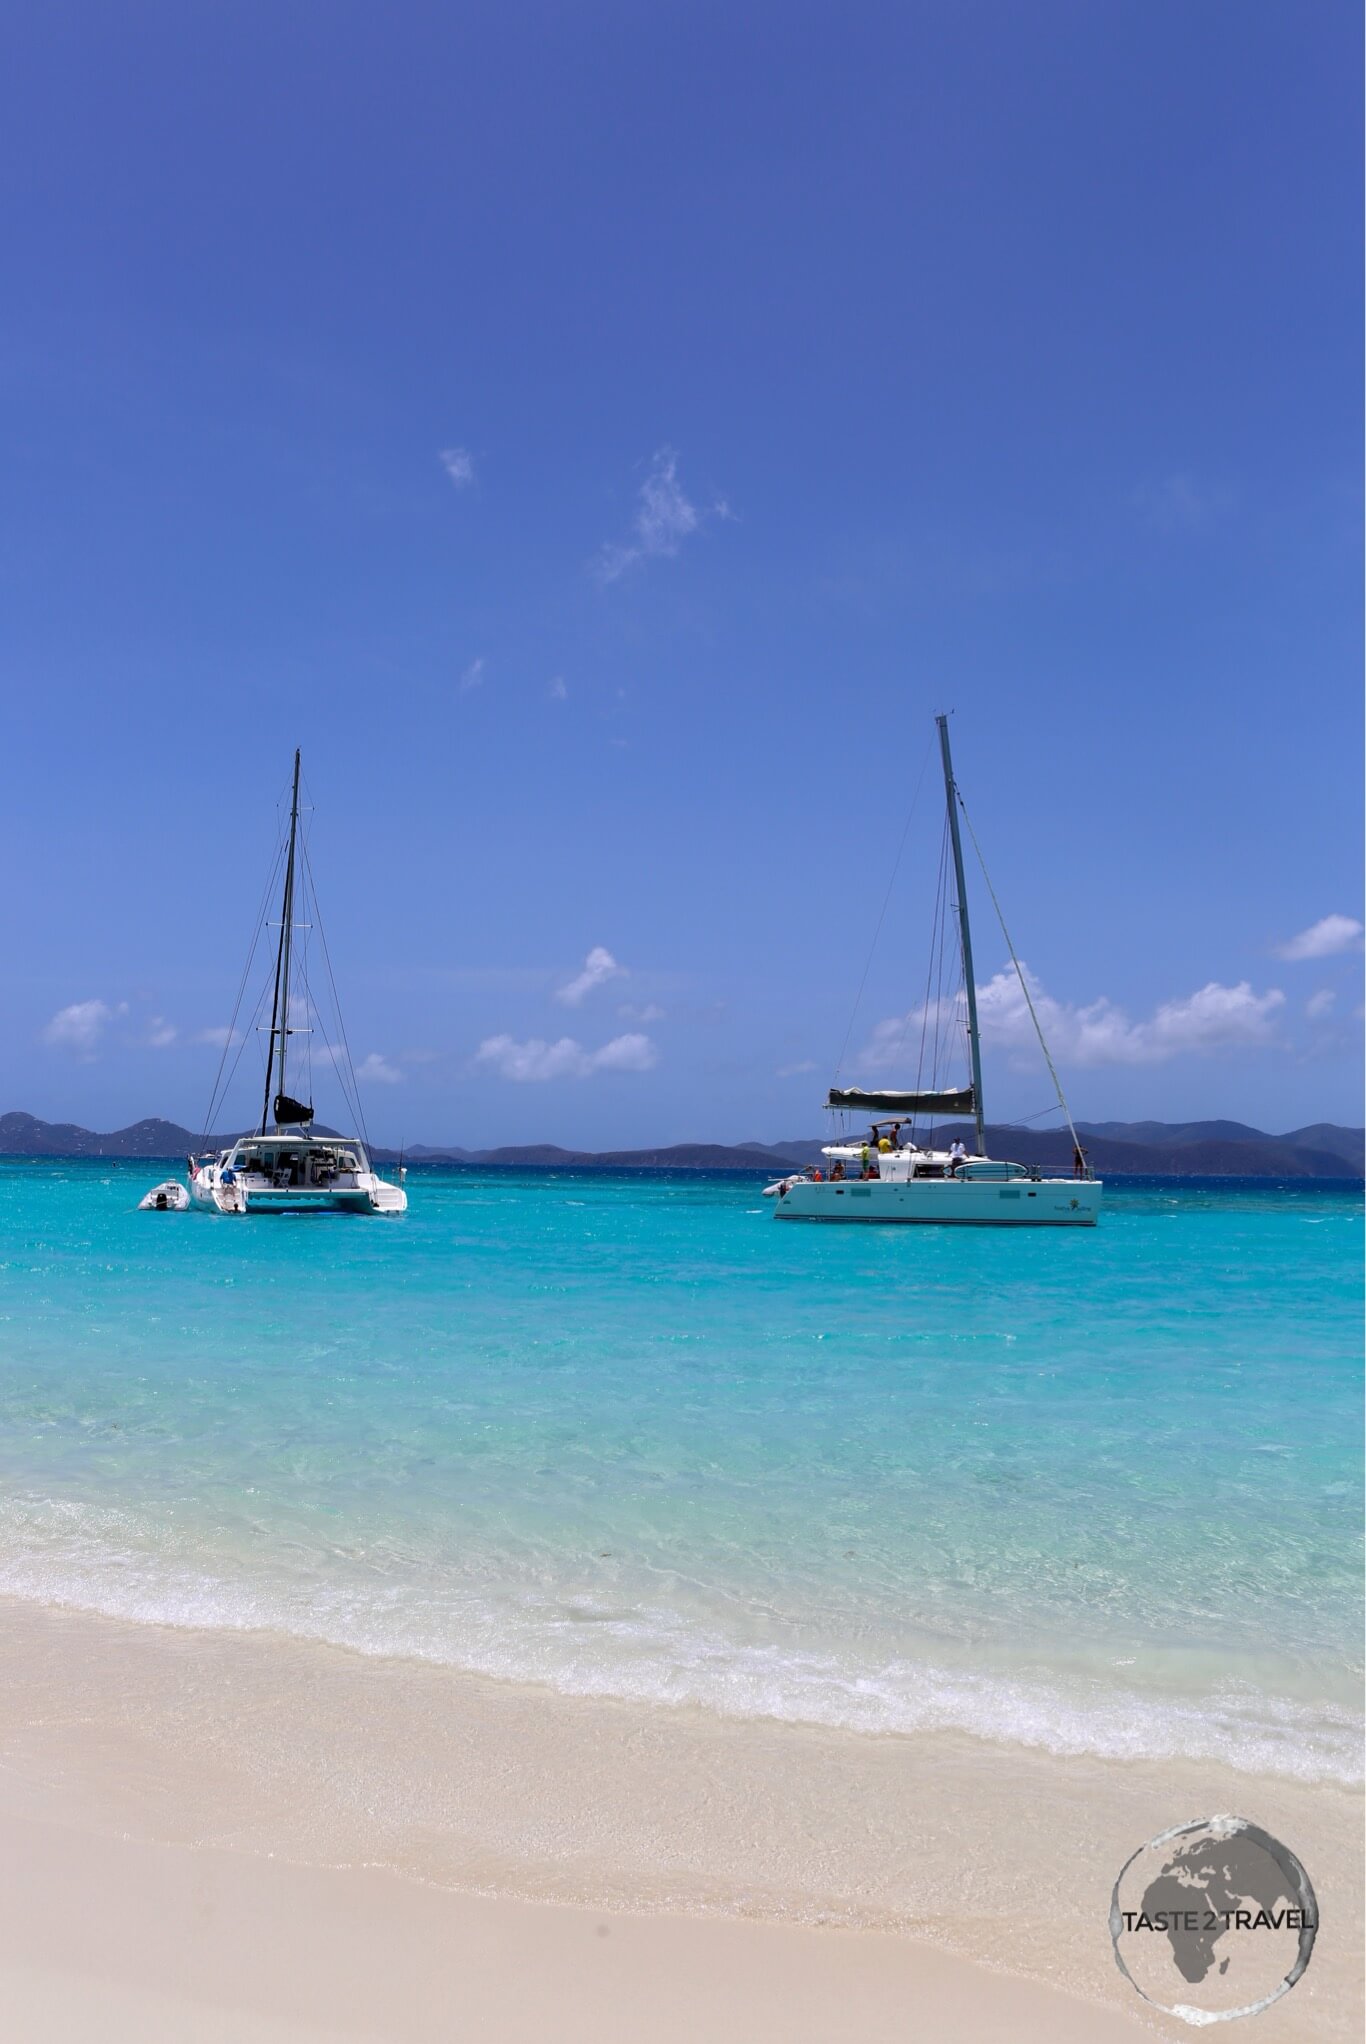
{"type": "Point", "coordinates": [1180, 503]}
{"type": "Point", "coordinates": [536, 1060]}
{"type": "Point", "coordinates": [161, 1034]}
{"type": "Point", "coordinates": [665, 517]}
{"type": "Point", "coordinates": [557, 690]}
{"type": "Point", "coordinates": [473, 676]}
{"type": "Point", "coordinates": [1323, 939]}
{"type": "Point", "coordinates": [598, 967]}
{"type": "Point", "coordinates": [378, 1068]}
{"type": "Point", "coordinates": [806, 1064]}
{"type": "Point", "coordinates": [80, 1027]}
{"type": "Point", "coordinates": [458, 463]}
{"type": "Point", "coordinates": [221, 1037]}
{"type": "Point", "coordinates": [650, 1011]}
{"type": "Point", "coordinates": [1320, 1004]}
{"type": "Point", "coordinates": [1215, 1018]}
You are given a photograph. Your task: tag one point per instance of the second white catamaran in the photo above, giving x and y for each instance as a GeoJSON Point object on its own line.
{"type": "Point", "coordinates": [888, 1176]}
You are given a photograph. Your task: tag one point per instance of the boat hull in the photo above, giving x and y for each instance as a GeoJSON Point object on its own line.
{"type": "Point", "coordinates": [1021, 1203]}
{"type": "Point", "coordinates": [292, 1203]}
{"type": "Point", "coordinates": [373, 1195]}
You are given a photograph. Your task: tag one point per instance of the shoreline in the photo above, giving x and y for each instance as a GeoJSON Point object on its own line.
{"type": "Point", "coordinates": [588, 1166]}
{"type": "Point", "coordinates": [969, 1861]}
{"type": "Point", "coordinates": [1067, 1705]}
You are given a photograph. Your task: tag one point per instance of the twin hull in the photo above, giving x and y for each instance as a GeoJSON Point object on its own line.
{"type": "Point", "coordinates": [1023, 1203]}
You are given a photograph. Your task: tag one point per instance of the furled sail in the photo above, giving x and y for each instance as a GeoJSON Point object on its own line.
{"type": "Point", "coordinates": [289, 1112]}
{"type": "Point", "coordinates": [960, 1102]}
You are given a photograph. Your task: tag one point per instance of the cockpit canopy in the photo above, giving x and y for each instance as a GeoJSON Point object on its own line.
{"type": "Point", "coordinates": [300, 1156]}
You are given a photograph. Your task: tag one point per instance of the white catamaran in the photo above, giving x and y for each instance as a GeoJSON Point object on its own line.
{"type": "Point", "coordinates": [284, 1166]}
{"type": "Point", "coordinates": [888, 1176]}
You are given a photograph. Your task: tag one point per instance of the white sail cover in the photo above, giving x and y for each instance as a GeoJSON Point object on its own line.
{"type": "Point", "coordinates": [959, 1102]}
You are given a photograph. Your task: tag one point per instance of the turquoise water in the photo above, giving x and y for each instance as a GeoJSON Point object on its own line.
{"type": "Point", "coordinates": [628, 1436]}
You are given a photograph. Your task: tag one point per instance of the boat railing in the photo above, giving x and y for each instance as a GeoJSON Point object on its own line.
{"type": "Point", "coordinates": [996, 1167]}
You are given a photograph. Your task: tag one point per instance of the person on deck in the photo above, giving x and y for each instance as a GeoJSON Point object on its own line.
{"type": "Point", "coordinates": [957, 1154]}
{"type": "Point", "coordinates": [1078, 1161]}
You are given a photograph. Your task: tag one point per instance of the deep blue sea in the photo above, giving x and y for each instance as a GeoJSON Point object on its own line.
{"type": "Point", "coordinates": [1093, 1491]}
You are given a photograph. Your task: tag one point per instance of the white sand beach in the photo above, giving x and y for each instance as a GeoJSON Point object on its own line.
{"type": "Point", "coordinates": [234, 1836]}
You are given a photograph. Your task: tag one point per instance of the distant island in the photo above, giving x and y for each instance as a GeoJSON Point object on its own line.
{"type": "Point", "coordinates": [1194, 1149]}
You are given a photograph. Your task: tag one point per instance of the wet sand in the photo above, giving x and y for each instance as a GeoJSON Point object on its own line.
{"type": "Point", "coordinates": [137, 1943]}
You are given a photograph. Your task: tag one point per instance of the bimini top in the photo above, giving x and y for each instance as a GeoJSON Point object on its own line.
{"type": "Point", "coordinates": [960, 1102]}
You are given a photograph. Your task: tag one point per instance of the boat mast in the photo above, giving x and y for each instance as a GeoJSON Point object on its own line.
{"type": "Point", "coordinates": [279, 1014]}
{"type": "Point", "coordinates": [964, 933]}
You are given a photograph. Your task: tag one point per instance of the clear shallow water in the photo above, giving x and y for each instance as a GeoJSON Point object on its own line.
{"type": "Point", "coordinates": [1093, 1492]}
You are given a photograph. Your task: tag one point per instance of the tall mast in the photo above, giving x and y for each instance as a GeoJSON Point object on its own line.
{"type": "Point", "coordinates": [279, 1013]}
{"type": "Point", "coordinates": [964, 933]}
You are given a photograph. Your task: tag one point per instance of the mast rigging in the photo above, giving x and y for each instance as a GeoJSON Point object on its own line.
{"type": "Point", "coordinates": [286, 1110]}
{"type": "Point", "coordinates": [964, 933]}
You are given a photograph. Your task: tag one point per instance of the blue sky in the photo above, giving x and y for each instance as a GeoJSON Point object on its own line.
{"type": "Point", "coordinates": [602, 437]}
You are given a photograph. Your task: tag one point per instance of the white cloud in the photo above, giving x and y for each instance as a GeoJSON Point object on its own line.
{"type": "Point", "coordinates": [1323, 939]}
{"type": "Point", "coordinates": [557, 690]}
{"type": "Point", "coordinates": [473, 676]}
{"type": "Point", "coordinates": [664, 518]}
{"type": "Point", "coordinates": [1212, 1019]}
{"type": "Point", "coordinates": [161, 1034]}
{"type": "Point", "coordinates": [537, 1060]}
{"type": "Point", "coordinates": [631, 1053]}
{"type": "Point", "coordinates": [598, 967]}
{"type": "Point", "coordinates": [458, 463]}
{"type": "Point", "coordinates": [1320, 1004]}
{"type": "Point", "coordinates": [221, 1038]}
{"type": "Point", "coordinates": [380, 1070]}
{"type": "Point", "coordinates": [650, 1012]}
{"type": "Point", "coordinates": [795, 1071]}
{"type": "Point", "coordinates": [80, 1027]}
